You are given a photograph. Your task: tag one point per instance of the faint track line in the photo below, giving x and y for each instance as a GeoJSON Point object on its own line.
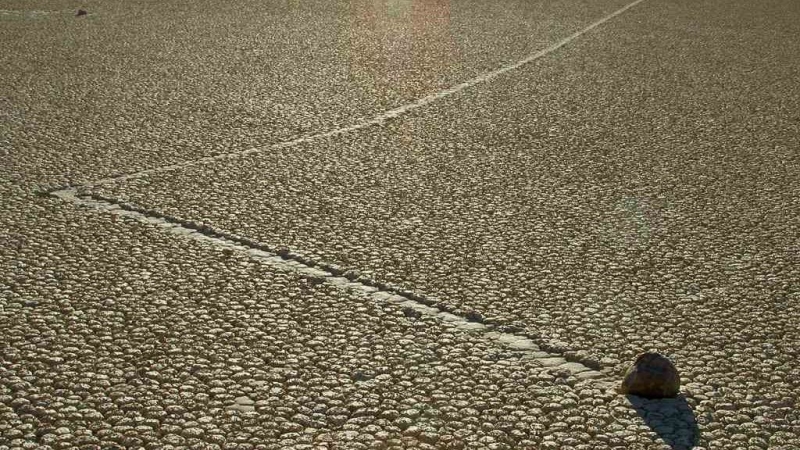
{"type": "Point", "coordinates": [381, 118]}
{"type": "Point", "coordinates": [36, 12]}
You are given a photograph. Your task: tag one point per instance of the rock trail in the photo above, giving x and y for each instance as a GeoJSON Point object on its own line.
{"type": "Point", "coordinates": [416, 304]}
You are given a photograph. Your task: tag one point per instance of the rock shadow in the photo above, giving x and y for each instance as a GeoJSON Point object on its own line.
{"type": "Point", "coordinates": [672, 419]}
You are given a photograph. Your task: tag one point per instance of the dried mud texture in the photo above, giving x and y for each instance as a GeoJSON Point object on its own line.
{"type": "Point", "coordinates": [637, 193]}
{"type": "Point", "coordinates": [116, 335]}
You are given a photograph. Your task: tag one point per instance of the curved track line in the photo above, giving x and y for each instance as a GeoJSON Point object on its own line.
{"type": "Point", "coordinates": [381, 118]}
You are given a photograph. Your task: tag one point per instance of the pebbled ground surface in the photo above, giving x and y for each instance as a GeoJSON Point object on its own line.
{"type": "Point", "coordinates": [637, 189]}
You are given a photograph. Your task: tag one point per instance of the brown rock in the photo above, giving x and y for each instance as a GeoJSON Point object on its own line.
{"type": "Point", "coordinates": [651, 376]}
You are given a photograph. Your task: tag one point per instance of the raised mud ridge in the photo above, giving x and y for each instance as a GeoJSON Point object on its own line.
{"type": "Point", "coordinates": [413, 304]}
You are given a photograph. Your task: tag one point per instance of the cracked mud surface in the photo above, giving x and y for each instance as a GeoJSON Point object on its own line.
{"type": "Point", "coordinates": [572, 199]}
{"type": "Point", "coordinates": [636, 190]}
{"type": "Point", "coordinates": [128, 337]}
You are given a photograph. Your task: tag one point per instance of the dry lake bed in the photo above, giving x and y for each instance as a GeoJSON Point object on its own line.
{"type": "Point", "coordinates": [386, 224]}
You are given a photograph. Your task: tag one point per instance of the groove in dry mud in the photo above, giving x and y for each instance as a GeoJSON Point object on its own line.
{"type": "Point", "coordinates": [413, 303]}
{"type": "Point", "coordinates": [376, 120]}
